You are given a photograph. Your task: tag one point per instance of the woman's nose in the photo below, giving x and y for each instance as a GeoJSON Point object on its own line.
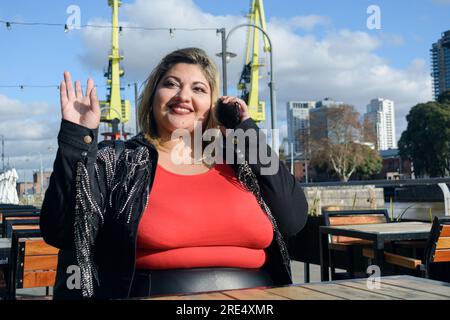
{"type": "Point", "coordinates": [184, 93]}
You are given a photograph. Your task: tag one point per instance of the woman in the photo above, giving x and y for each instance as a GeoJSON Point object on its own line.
{"type": "Point", "coordinates": [139, 222]}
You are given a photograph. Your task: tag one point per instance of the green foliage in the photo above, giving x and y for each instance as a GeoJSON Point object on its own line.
{"type": "Point", "coordinates": [426, 140]}
{"type": "Point", "coordinates": [371, 162]}
{"type": "Point", "coordinates": [336, 144]}
{"type": "Point", "coordinates": [444, 97]}
{"type": "Point", "coordinates": [313, 209]}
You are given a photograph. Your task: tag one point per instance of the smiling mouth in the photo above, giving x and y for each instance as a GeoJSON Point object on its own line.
{"type": "Point", "coordinates": [181, 110]}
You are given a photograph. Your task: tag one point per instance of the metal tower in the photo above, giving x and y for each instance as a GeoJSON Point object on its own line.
{"type": "Point", "coordinates": [114, 109]}
{"type": "Point", "coordinates": [248, 83]}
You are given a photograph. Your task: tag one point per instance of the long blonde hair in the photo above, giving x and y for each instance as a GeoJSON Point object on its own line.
{"type": "Point", "coordinates": [194, 56]}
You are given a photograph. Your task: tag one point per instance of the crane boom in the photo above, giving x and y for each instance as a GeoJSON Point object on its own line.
{"type": "Point", "coordinates": [249, 80]}
{"type": "Point", "coordinates": [114, 109]}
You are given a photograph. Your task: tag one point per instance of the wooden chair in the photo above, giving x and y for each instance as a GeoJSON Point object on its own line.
{"type": "Point", "coordinates": [33, 262]}
{"type": "Point", "coordinates": [16, 207]}
{"type": "Point", "coordinates": [349, 245]}
{"type": "Point", "coordinates": [437, 250]}
{"type": "Point", "coordinates": [19, 215]}
{"type": "Point", "coordinates": [9, 222]}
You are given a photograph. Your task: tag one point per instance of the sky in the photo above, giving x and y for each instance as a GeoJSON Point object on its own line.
{"type": "Point", "coordinates": [321, 49]}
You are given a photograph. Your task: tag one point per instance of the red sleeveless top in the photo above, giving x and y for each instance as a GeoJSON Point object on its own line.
{"type": "Point", "coordinates": [203, 220]}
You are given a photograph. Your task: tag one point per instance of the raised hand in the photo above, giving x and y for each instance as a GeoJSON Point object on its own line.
{"type": "Point", "coordinates": [76, 107]}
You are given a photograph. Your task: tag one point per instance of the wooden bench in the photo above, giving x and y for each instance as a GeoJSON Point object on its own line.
{"type": "Point", "coordinates": [33, 262]}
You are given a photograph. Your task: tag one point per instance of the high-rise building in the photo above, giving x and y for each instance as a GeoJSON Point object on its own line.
{"type": "Point", "coordinates": [440, 64]}
{"type": "Point", "coordinates": [319, 119]}
{"type": "Point", "coordinates": [298, 124]}
{"type": "Point", "coordinates": [380, 114]}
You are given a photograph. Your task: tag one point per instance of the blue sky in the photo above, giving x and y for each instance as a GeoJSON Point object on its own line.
{"type": "Point", "coordinates": [37, 55]}
{"type": "Point", "coordinates": [337, 55]}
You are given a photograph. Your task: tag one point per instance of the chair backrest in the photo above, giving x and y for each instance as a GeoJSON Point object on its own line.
{"type": "Point", "coordinates": [350, 217]}
{"type": "Point", "coordinates": [12, 211]}
{"type": "Point", "coordinates": [15, 206]}
{"type": "Point", "coordinates": [7, 215]}
{"type": "Point", "coordinates": [438, 246]}
{"type": "Point", "coordinates": [18, 223]}
{"type": "Point", "coordinates": [33, 262]}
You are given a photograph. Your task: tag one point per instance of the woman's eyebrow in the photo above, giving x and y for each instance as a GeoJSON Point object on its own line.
{"type": "Point", "coordinates": [200, 82]}
{"type": "Point", "coordinates": [179, 80]}
{"type": "Point", "coordinates": [170, 76]}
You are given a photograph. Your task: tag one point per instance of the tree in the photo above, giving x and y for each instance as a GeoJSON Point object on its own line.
{"type": "Point", "coordinates": [336, 136]}
{"type": "Point", "coordinates": [426, 140]}
{"type": "Point", "coordinates": [444, 97]}
{"type": "Point", "coordinates": [371, 162]}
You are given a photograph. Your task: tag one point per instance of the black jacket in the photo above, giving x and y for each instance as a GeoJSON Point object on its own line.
{"type": "Point", "coordinates": [92, 217]}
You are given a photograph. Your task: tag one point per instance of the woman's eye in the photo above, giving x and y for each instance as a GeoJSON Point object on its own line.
{"type": "Point", "coordinates": [200, 89]}
{"type": "Point", "coordinates": [170, 84]}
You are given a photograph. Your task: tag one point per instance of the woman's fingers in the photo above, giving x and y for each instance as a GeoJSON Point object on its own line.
{"type": "Point", "coordinates": [89, 87]}
{"type": "Point", "coordinates": [241, 103]}
{"type": "Point", "coordinates": [78, 90]}
{"type": "Point", "coordinates": [95, 106]}
{"type": "Point", "coordinates": [63, 94]}
{"type": "Point", "coordinates": [69, 87]}
{"type": "Point", "coordinates": [230, 99]}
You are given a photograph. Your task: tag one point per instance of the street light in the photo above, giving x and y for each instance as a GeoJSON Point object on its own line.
{"type": "Point", "coordinates": [224, 55]}
{"type": "Point", "coordinates": [3, 152]}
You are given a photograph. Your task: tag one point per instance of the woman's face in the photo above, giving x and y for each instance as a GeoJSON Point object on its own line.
{"type": "Point", "coordinates": [182, 97]}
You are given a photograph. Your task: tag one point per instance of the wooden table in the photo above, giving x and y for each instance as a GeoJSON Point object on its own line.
{"type": "Point", "coordinates": [391, 288]}
{"type": "Point", "coordinates": [377, 233]}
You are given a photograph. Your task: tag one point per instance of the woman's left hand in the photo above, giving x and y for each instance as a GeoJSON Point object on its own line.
{"type": "Point", "coordinates": [245, 114]}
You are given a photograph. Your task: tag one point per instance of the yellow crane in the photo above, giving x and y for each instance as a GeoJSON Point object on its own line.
{"type": "Point", "coordinates": [249, 80]}
{"type": "Point", "coordinates": [114, 109]}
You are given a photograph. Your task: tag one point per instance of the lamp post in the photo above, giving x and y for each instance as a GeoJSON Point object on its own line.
{"type": "Point", "coordinates": [136, 106]}
{"type": "Point", "coordinates": [271, 83]}
{"type": "Point", "coordinates": [3, 152]}
{"type": "Point", "coordinates": [226, 56]}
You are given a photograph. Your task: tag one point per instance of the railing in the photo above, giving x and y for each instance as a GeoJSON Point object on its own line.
{"type": "Point", "coordinates": [441, 182]}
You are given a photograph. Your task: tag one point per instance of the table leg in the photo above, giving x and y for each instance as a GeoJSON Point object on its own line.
{"type": "Point", "coordinates": [378, 249]}
{"type": "Point", "coordinates": [306, 272]}
{"type": "Point", "coordinates": [324, 255]}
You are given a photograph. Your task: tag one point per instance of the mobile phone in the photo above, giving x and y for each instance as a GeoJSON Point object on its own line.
{"type": "Point", "coordinates": [228, 115]}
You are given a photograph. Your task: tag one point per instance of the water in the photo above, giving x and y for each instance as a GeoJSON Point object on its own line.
{"type": "Point", "coordinates": [416, 210]}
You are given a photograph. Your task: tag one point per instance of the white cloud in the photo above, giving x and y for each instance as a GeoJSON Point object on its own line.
{"type": "Point", "coordinates": [144, 48]}
{"type": "Point", "coordinates": [16, 109]}
{"type": "Point", "coordinates": [343, 64]}
{"type": "Point", "coordinates": [28, 129]}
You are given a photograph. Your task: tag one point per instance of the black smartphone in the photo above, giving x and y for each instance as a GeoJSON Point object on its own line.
{"type": "Point", "coordinates": [228, 115]}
